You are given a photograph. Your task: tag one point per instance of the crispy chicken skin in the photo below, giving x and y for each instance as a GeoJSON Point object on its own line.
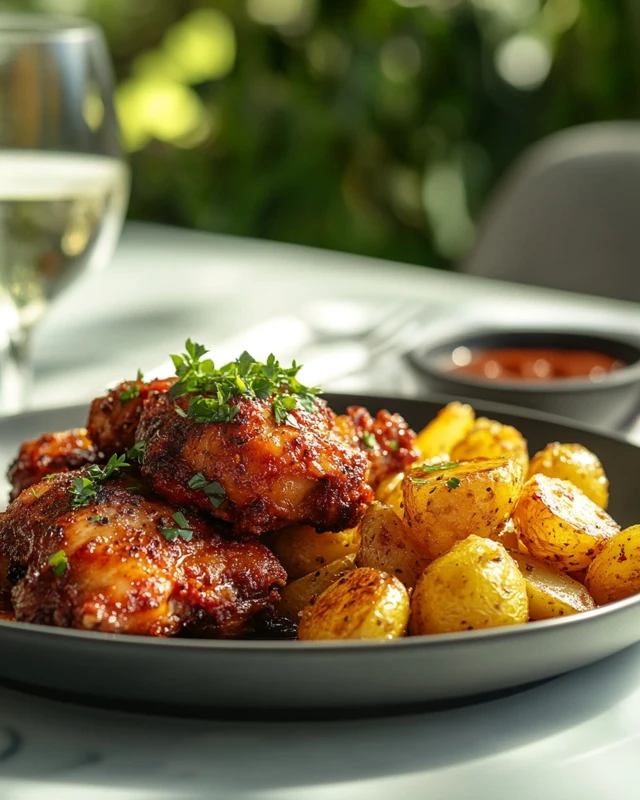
{"type": "Point", "coordinates": [272, 475]}
{"type": "Point", "coordinates": [386, 439]}
{"type": "Point", "coordinates": [113, 418]}
{"type": "Point", "coordinates": [51, 452]}
{"type": "Point", "coordinates": [123, 576]}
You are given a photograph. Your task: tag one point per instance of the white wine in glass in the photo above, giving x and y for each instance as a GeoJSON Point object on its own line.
{"type": "Point", "coordinates": [63, 183]}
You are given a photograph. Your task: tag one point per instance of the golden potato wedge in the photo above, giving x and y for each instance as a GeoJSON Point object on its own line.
{"type": "Point", "coordinates": [576, 464]}
{"type": "Point", "coordinates": [386, 544]}
{"type": "Point", "coordinates": [551, 593]}
{"type": "Point", "coordinates": [477, 584]}
{"type": "Point", "coordinates": [448, 502]}
{"type": "Point", "coordinates": [363, 604]}
{"type": "Point", "coordinates": [490, 439]}
{"type": "Point", "coordinates": [450, 426]}
{"type": "Point", "coordinates": [298, 594]}
{"type": "Point", "coordinates": [560, 525]}
{"type": "Point", "coordinates": [301, 549]}
{"type": "Point", "coordinates": [614, 572]}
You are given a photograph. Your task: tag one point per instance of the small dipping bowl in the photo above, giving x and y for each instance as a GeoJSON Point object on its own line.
{"type": "Point", "coordinates": [595, 378]}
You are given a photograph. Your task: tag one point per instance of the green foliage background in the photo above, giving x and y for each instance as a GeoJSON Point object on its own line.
{"type": "Point", "coordinates": [370, 126]}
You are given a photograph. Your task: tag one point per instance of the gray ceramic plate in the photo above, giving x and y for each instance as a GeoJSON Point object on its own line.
{"type": "Point", "coordinates": [212, 676]}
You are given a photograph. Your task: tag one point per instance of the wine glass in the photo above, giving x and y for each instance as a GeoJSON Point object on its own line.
{"type": "Point", "coordinates": [63, 183]}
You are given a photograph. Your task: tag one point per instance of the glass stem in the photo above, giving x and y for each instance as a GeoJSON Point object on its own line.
{"type": "Point", "coordinates": [16, 374]}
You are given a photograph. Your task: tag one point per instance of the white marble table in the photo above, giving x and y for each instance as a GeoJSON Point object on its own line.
{"type": "Point", "coordinates": [576, 736]}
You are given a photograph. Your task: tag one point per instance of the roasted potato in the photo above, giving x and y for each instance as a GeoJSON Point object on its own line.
{"type": "Point", "coordinates": [387, 487]}
{"type": "Point", "coordinates": [386, 544]}
{"type": "Point", "coordinates": [301, 549]}
{"type": "Point", "coordinates": [614, 573]}
{"type": "Point", "coordinates": [448, 502]}
{"type": "Point", "coordinates": [477, 584]}
{"type": "Point", "coordinates": [363, 604]}
{"type": "Point", "coordinates": [298, 594]}
{"type": "Point", "coordinates": [551, 593]}
{"type": "Point", "coordinates": [560, 525]}
{"type": "Point", "coordinates": [490, 439]}
{"type": "Point", "coordinates": [507, 537]}
{"type": "Point", "coordinates": [574, 463]}
{"type": "Point", "coordinates": [441, 435]}
{"type": "Point", "coordinates": [580, 575]}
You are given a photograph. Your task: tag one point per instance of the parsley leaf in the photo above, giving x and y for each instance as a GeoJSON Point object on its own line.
{"type": "Point", "coordinates": [213, 389]}
{"type": "Point", "coordinates": [370, 440]}
{"type": "Point", "coordinates": [391, 445]}
{"type": "Point", "coordinates": [99, 520]}
{"type": "Point", "coordinates": [438, 467]}
{"type": "Point", "coordinates": [130, 393]}
{"type": "Point", "coordinates": [453, 483]}
{"type": "Point", "coordinates": [183, 530]}
{"type": "Point", "coordinates": [84, 488]}
{"type": "Point", "coordinates": [136, 453]}
{"type": "Point", "coordinates": [59, 563]}
{"type": "Point", "coordinates": [214, 490]}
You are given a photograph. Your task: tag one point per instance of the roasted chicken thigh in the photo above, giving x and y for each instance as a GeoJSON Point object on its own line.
{"type": "Point", "coordinates": [51, 452]}
{"type": "Point", "coordinates": [123, 563]}
{"type": "Point", "coordinates": [308, 470]}
{"type": "Point", "coordinates": [113, 419]}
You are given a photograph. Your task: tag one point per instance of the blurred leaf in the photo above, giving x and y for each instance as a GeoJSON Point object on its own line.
{"type": "Point", "coordinates": [370, 126]}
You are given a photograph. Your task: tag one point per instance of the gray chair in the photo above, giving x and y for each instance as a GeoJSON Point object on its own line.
{"type": "Point", "coordinates": [568, 215]}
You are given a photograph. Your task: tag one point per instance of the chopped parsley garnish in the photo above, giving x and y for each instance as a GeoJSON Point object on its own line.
{"type": "Point", "coordinates": [99, 520]}
{"type": "Point", "coordinates": [59, 563]}
{"type": "Point", "coordinates": [182, 529]}
{"type": "Point", "coordinates": [214, 491]}
{"type": "Point", "coordinates": [370, 440]}
{"type": "Point", "coordinates": [438, 467]}
{"type": "Point", "coordinates": [84, 488]}
{"type": "Point", "coordinates": [130, 393]}
{"type": "Point", "coordinates": [452, 483]}
{"type": "Point", "coordinates": [34, 493]}
{"type": "Point", "coordinates": [391, 445]}
{"type": "Point", "coordinates": [136, 453]}
{"type": "Point", "coordinates": [212, 389]}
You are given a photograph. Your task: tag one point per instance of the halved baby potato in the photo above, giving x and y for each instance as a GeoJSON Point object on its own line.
{"type": "Point", "coordinates": [363, 604]}
{"type": "Point", "coordinates": [477, 584]}
{"type": "Point", "coordinates": [574, 463]}
{"type": "Point", "coordinates": [551, 593]}
{"type": "Point", "coordinates": [445, 503]}
{"type": "Point", "coordinates": [614, 573]}
{"type": "Point", "coordinates": [301, 549]}
{"type": "Point", "coordinates": [450, 426]}
{"type": "Point", "coordinates": [490, 439]}
{"type": "Point", "coordinates": [560, 525]}
{"type": "Point", "coordinates": [298, 594]}
{"type": "Point", "coordinates": [386, 544]}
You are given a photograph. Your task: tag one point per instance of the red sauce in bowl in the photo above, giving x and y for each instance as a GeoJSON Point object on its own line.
{"type": "Point", "coordinates": [533, 364]}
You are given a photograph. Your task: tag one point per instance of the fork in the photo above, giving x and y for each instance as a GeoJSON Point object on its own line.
{"type": "Point", "coordinates": [338, 357]}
